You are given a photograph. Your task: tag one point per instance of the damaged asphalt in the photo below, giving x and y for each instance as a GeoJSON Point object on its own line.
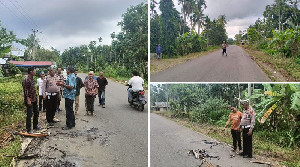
{"type": "Point", "coordinates": [116, 136]}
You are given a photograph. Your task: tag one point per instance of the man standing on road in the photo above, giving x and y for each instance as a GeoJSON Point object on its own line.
{"type": "Point", "coordinates": [224, 45]}
{"type": "Point", "coordinates": [137, 84]}
{"type": "Point", "coordinates": [235, 119]}
{"type": "Point", "coordinates": [61, 78]}
{"type": "Point", "coordinates": [158, 51]}
{"type": "Point", "coordinates": [247, 125]}
{"type": "Point", "coordinates": [40, 85]}
{"type": "Point", "coordinates": [102, 82]}
{"type": "Point", "coordinates": [79, 85]}
{"type": "Point", "coordinates": [91, 90]}
{"type": "Point", "coordinates": [30, 100]}
{"type": "Point", "coordinates": [50, 92]}
{"type": "Point", "coordinates": [69, 95]}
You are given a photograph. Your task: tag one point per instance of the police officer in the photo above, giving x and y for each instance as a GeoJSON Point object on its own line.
{"type": "Point", "coordinates": [246, 126]}
{"type": "Point", "coordinates": [50, 92]}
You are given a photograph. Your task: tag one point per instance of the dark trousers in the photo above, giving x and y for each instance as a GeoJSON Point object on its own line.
{"type": "Point", "coordinates": [101, 95]}
{"type": "Point", "coordinates": [236, 137]}
{"type": "Point", "coordinates": [51, 103]}
{"type": "Point", "coordinates": [224, 51]}
{"type": "Point", "coordinates": [247, 142]}
{"type": "Point", "coordinates": [70, 117]}
{"type": "Point", "coordinates": [32, 110]}
{"type": "Point", "coordinates": [89, 103]}
{"type": "Point", "coordinates": [42, 103]}
{"type": "Point", "coordinates": [59, 99]}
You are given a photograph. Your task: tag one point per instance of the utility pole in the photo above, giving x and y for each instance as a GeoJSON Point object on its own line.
{"type": "Point", "coordinates": [279, 15]}
{"type": "Point", "coordinates": [167, 97]}
{"type": "Point", "coordinates": [249, 91]}
{"type": "Point", "coordinates": [34, 43]}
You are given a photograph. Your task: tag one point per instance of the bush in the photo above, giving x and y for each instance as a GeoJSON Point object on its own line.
{"type": "Point", "coordinates": [190, 43]}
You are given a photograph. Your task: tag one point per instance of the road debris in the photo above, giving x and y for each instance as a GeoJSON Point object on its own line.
{"type": "Point", "coordinates": [84, 120]}
{"type": "Point", "coordinates": [43, 134]}
{"type": "Point", "coordinates": [261, 162]}
{"type": "Point", "coordinates": [201, 154]}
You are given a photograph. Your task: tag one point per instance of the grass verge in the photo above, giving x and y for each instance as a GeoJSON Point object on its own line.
{"type": "Point", "coordinates": [262, 148]}
{"type": "Point", "coordinates": [163, 64]}
{"type": "Point", "coordinates": [278, 69]}
{"type": "Point", "coordinates": [12, 117]}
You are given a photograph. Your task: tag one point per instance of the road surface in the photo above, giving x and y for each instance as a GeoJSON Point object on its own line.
{"type": "Point", "coordinates": [170, 143]}
{"type": "Point", "coordinates": [116, 136]}
{"type": "Point", "coordinates": [236, 67]}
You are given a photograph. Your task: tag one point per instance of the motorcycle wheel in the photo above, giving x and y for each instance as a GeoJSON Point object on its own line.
{"type": "Point", "coordinates": [130, 103]}
{"type": "Point", "coordinates": [141, 107]}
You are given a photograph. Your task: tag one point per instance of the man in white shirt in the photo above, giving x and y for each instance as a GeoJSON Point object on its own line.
{"type": "Point", "coordinates": [136, 83]}
{"type": "Point", "coordinates": [40, 84]}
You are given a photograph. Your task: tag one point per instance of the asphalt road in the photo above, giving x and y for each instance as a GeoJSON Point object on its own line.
{"type": "Point", "coordinates": [236, 67]}
{"type": "Point", "coordinates": [170, 143]}
{"type": "Point", "coordinates": [116, 136]}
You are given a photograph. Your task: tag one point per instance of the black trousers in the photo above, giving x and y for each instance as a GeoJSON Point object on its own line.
{"type": "Point", "coordinates": [70, 117]}
{"type": "Point", "coordinates": [51, 103]}
{"type": "Point", "coordinates": [236, 137]}
{"type": "Point", "coordinates": [224, 51]}
{"type": "Point", "coordinates": [89, 103]}
{"type": "Point", "coordinates": [42, 103]}
{"type": "Point", "coordinates": [247, 142]}
{"type": "Point", "coordinates": [32, 110]}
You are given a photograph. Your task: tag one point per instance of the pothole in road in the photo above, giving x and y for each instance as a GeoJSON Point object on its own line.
{"type": "Point", "coordinates": [57, 154]}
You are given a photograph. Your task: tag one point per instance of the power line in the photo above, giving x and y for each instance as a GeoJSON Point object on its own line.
{"type": "Point", "coordinates": [14, 13]}
{"type": "Point", "coordinates": [23, 14]}
{"type": "Point", "coordinates": [26, 15]}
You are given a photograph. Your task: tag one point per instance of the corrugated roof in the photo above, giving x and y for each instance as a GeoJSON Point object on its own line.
{"type": "Point", "coordinates": [31, 63]}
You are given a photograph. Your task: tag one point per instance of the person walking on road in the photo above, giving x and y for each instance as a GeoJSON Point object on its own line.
{"type": "Point", "coordinates": [79, 85]}
{"type": "Point", "coordinates": [69, 92]}
{"type": "Point", "coordinates": [50, 92]}
{"type": "Point", "coordinates": [91, 90]}
{"type": "Point", "coordinates": [247, 126]}
{"type": "Point", "coordinates": [235, 119]}
{"type": "Point", "coordinates": [158, 51]}
{"type": "Point", "coordinates": [102, 82]}
{"type": "Point", "coordinates": [224, 45]}
{"type": "Point", "coordinates": [30, 100]}
{"type": "Point", "coordinates": [40, 81]}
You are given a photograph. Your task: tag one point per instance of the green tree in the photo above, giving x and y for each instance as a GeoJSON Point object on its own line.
{"type": "Point", "coordinates": [6, 40]}
{"type": "Point", "coordinates": [46, 55]}
{"type": "Point", "coordinates": [169, 27]}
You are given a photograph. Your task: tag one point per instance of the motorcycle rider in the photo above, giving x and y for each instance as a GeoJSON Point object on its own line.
{"type": "Point", "coordinates": [136, 83]}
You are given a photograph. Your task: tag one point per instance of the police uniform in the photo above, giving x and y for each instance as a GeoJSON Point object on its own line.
{"type": "Point", "coordinates": [247, 123]}
{"type": "Point", "coordinates": [50, 90]}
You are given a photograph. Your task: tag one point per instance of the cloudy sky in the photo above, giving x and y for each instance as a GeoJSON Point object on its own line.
{"type": "Point", "coordinates": [240, 13]}
{"type": "Point", "coordinates": [64, 23]}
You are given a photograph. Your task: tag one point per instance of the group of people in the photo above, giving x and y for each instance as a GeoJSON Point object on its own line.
{"type": "Point", "coordinates": [52, 88]}
{"type": "Point", "coordinates": [242, 123]}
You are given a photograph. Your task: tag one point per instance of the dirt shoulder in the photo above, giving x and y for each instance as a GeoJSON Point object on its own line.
{"type": "Point", "coordinates": [278, 69]}
{"type": "Point", "coordinates": [163, 64]}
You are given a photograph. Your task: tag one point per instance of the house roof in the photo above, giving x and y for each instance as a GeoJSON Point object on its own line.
{"type": "Point", "coordinates": [31, 63]}
{"type": "Point", "coordinates": [161, 104]}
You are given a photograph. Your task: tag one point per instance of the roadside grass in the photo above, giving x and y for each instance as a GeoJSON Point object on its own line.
{"type": "Point", "coordinates": [12, 117]}
{"type": "Point", "coordinates": [12, 149]}
{"type": "Point", "coordinates": [287, 67]}
{"type": "Point", "coordinates": [262, 148]}
{"type": "Point", "coordinates": [163, 64]}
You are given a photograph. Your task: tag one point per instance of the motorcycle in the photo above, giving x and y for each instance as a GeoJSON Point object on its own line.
{"type": "Point", "coordinates": [138, 99]}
